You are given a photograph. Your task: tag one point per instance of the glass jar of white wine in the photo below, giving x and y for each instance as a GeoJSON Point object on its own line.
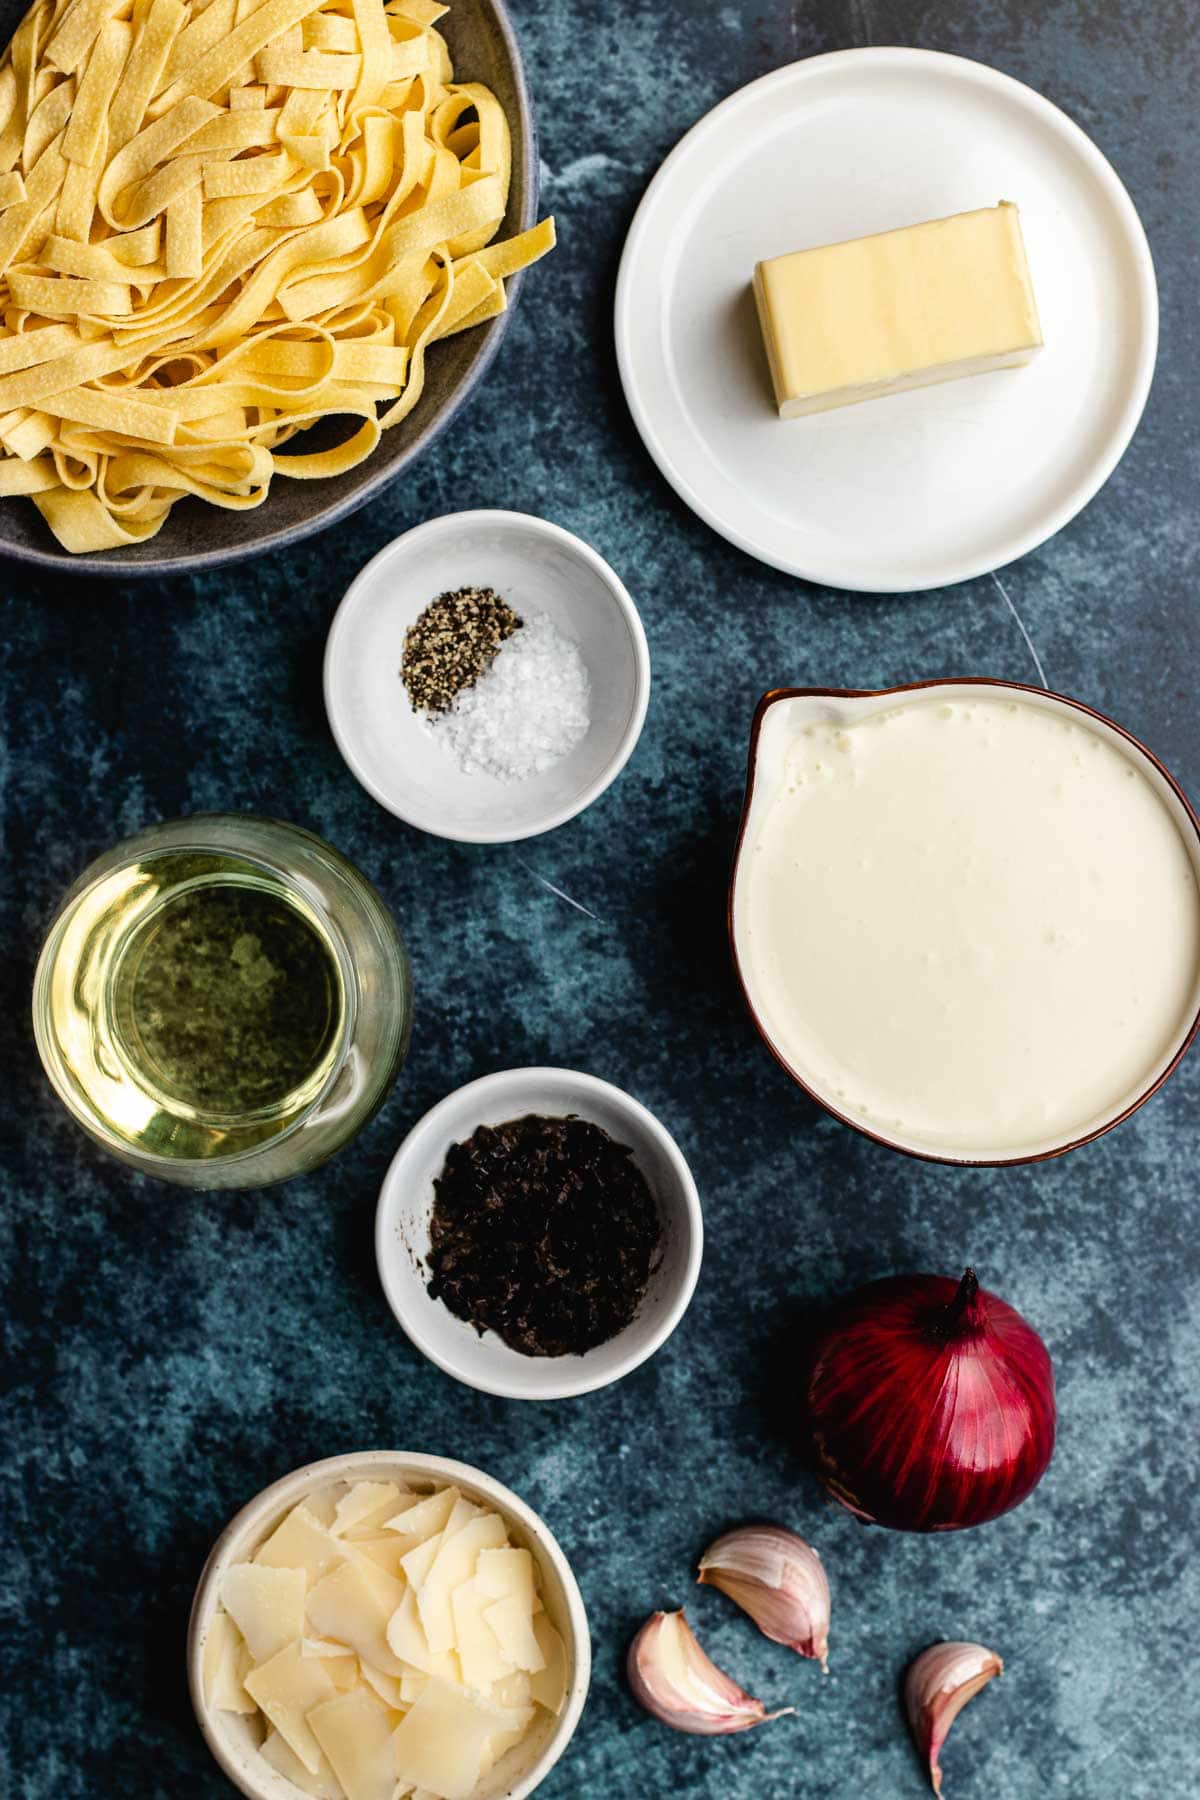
{"type": "Point", "coordinates": [222, 1001]}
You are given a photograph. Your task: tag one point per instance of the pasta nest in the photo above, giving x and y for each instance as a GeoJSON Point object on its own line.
{"type": "Point", "coordinates": [222, 221]}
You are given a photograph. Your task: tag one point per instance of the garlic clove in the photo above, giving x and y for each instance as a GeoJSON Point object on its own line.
{"type": "Point", "coordinates": [779, 1580]}
{"type": "Point", "coordinates": [677, 1683]}
{"type": "Point", "coordinates": [937, 1686]}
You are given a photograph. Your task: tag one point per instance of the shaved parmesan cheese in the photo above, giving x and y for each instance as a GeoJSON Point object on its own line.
{"type": "Point", "coordinates": [322, 1504]}
{"type": "Point", "coordinates": [224, 1666]}
{"type": "Point", "coordinates": [300, 1542]}
{"type": "Point", "coordinates": [391, 1643]}
{"type": "Point", "coordinates": [501, 1742]}
{"type": "Point", "coordinates": [325, 1647]}
{"type": "Point", "coordinates": [425, 1518]}
{"type": "Point", "coordinates": [406, 1634]}
{"type": "Point", "coordinates": [439, 1742]}
{"type": "Point", "coordinates": [408, 1643]}
{"type": "Point", "coordinates": [548, 1685]}
{"type": "Point", "coordinates": [454, 1564]}
{"type": "Point", "coordinates": [266, 1605]}
{"type": "Point", "coordinates": [377, 1520]}
{"type": "Point", "coordinates": [411, 1683]}
{"type": "Point", "coordinates": [387, 1591]}
{"type": "Point", "coordinates": [504, 1572]}
{"type": "Point", "coordinates": [513, 1692]}
{"type": "Point", "coordinates": [355, 1732]}
{"type": "Point", "coordinates": [512, 1622]}
{"type": "Point", "coordinates": [416, 1563]}
{"type": "Point", "coordinates": [386, 1686]}
{"type": "Point", "coordinates": [222, 1639]}
{"type": "Point", "coordinates": [286, 1689]}
{"type": "Point", "coordinates": [507, 1577]}
{"type": "Point", "coordinates": [483, 1661]}
{"type": "Point", "coordinates": [387, 1551]}
{"type": "Point", "coordinates": [461, 1514]}
{"type": "Point", "coordinates": [353, 1604]}
{"type": "Point", "coordinates": [363, 1503]}
{"type": "Point", "coordinates": [341, 1665]}
{"type": "Point", "coordinates": [324, 1784]}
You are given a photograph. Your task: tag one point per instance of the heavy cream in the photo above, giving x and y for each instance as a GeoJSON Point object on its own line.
{"type": "Point", "coordinates": [968, 921]}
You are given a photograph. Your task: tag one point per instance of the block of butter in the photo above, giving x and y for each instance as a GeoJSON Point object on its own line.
{"type": "Point", "coordinates": [901, 309]}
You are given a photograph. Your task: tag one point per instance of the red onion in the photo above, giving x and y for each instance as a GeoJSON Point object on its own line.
{"type": "Point", "coordinates": [930, 1407]}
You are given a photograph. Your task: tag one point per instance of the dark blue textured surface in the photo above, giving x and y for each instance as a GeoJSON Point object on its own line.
{"type": "Point", "coordinates": [167, 1356]}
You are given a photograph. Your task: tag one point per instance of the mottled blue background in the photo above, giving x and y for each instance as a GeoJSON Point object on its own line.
{"type": "Point", "coordinates": [166, 1356]}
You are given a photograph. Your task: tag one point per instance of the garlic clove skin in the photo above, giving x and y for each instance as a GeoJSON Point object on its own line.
{"type": "Point", "coordinates": [937, 1686]}
{"type": "Point", "coordinates": [678, 1684]}
{"type": "Point", "coordinates": [778, 1579]}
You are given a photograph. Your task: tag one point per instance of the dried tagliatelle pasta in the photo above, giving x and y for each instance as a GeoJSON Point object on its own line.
{"type": "Point", "coordinates": [221, 221]}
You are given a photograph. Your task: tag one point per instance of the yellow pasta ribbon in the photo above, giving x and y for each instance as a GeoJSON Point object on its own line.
{"type": "Point", "coordinates": [222, 221]}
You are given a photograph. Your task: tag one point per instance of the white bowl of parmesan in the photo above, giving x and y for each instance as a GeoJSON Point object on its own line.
{"type": "Point", "coordinates": [386, 1624]}
{"type": "Point", "coordinates": [487, 676]}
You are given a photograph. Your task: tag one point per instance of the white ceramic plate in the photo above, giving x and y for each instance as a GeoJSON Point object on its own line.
{"type": "Point", "coordinates": [924, 488]}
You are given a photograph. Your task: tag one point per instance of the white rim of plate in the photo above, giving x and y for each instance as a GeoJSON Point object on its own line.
{"type": "Point", "coordinates": [564, 1386]}
{"type": "Point", "coordinates": [622, 599]}
{"type": "Point", "coordinates": [821, 573]}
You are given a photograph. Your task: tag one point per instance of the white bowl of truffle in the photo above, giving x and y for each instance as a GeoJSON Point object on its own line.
{"type": "Point", "coordinates": [486, 676]}
{"type": "Point", "coordinates": [538, 1234]}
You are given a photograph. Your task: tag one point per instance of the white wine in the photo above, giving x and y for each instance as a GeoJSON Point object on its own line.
{"type": "Point", "coordinates": [222, 1001]}
{"type": "Point", "coordinates": [196, 1003]}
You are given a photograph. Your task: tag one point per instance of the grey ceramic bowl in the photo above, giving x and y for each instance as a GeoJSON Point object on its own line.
{"type": "Point", "coordinates": [195, 536]}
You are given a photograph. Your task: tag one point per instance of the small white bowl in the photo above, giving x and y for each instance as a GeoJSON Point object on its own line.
{"type": "Point", "coordinates": [530, 563]}
{"type": "Point", "coordinates": [231, 1737]}
{"type": "Point", "coordinates": [406, 1202]}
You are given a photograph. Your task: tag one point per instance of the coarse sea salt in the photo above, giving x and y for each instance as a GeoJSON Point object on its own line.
{"type": "Point", "coordinates": [527, 711]}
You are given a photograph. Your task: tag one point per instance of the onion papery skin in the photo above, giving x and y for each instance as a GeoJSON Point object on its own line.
{"type": "Point", "coordinates": [930, 1403]}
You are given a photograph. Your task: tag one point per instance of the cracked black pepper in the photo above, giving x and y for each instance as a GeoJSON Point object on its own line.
{"type": "Point", "coordinates": [451, 645]}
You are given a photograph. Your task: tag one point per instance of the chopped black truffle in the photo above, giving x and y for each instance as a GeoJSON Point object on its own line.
{"type": "Point", "coordinates": [545, 1232]}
